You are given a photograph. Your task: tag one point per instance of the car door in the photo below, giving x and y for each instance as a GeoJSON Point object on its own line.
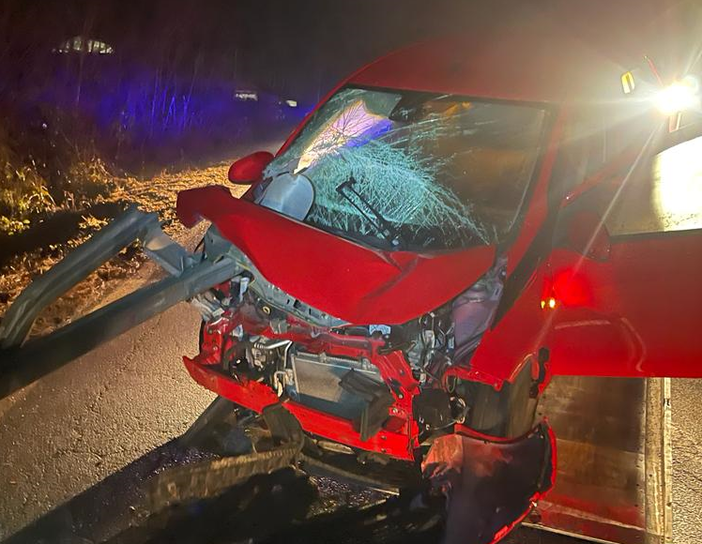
{"type": "Point", "coordinates": [623, 295]}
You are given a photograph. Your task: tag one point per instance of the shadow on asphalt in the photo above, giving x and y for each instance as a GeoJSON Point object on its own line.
{"type": "Point", "coordinates": [272, 508]}
{"type": "Point", "coordinates": [266, 509]}
{"type": "Point", "coordinates": [109, 506]}
{"type": "Point", "coordinates": [283, 507]}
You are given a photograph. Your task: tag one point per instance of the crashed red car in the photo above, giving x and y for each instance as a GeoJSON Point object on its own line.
{"type": "Point", "coordinates": [456, 223]}
{"type": "Point", "coordinates": [443, 234]}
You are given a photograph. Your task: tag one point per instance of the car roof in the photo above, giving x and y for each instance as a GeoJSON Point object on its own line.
{"type": "Point", "coordinates": [538, 61]}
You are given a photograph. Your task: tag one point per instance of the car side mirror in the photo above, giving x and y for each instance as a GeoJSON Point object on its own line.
{"type": "Point", "coordinates": [249, 169]}
{"type": "Point", "coordinates": [586, 233]}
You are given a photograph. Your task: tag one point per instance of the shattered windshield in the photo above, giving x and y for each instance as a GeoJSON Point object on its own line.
{"type": "Point", "coordinates": [409, 170]}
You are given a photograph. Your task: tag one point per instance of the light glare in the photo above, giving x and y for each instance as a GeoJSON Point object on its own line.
{"type": "Point", "coordinates": [680, 96]}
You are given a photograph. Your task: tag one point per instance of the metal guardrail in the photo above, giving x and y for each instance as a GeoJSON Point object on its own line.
{"type": "Point", "coordinates": [23, 362]}
{"type": "Point", "coordinates": [75, 267]}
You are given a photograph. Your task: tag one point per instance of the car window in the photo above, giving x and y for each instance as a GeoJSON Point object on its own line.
{"type": "Point", "coordinates": [417, 171]}
{"type": "Point", "coordinates": [595, 136]}
{"type": "Point", "coordinates": [582, 151]}
{"type": "Point", "coordinates": [662, 193]}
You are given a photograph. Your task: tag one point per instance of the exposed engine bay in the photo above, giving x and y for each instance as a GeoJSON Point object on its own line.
{"type": "Point", "coordinates": [377, 387]}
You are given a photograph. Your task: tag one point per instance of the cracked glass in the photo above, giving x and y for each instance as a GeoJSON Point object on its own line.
{"type": "Point", "coordinates": [415, 171]}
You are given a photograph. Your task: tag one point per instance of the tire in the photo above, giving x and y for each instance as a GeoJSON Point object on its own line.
{"type": "Point", "coordinates": [507, 413]}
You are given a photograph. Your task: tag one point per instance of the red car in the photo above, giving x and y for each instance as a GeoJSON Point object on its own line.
{"type": "Point", "coordinates": [453, 225]}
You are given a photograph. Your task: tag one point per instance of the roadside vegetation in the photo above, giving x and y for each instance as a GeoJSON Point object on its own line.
{"type": "Point", "coordinates": [101, 107]}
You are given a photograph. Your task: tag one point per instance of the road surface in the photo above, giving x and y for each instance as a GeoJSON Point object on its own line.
{"type": "Point", "coordinates": [93, 417]}
{"type": "Point", "coordinates": [687, 461]}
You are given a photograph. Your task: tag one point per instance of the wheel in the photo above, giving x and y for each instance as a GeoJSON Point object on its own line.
{"type": "Point", "coordinates": [508, 413]}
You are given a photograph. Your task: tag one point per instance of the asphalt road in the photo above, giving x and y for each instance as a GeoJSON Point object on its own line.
{"type": "Point", "coordinates": [687, 461]}
{"type": "Point", "coordinates": [93, 417]}
{"type": "Point", "coordinates": [104, 411]}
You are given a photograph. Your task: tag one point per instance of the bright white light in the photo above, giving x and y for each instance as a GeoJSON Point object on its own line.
{"type": "Point", "coordinates": [680, 96]}
{"type": "Point", "coordinates": [291, 103]}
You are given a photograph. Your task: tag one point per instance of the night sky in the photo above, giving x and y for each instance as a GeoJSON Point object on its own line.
{"type": "Point", "coordinates": [299, 47]}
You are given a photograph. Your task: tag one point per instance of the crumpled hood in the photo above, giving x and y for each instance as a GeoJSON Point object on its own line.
{"type": "Point", "coordinates": [337, 276]}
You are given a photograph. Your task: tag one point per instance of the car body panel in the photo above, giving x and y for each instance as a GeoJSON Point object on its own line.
{"type": "Point", "coordinates": [395, 443]}
{"type": "Point", "coordinates": [482, 64]}
{"type": "Point", "coordinates": [520, 329]}
{"type": "Point", "coordinates": [635, 314]}
{"type": "Point", "coordinates": [337, 276]}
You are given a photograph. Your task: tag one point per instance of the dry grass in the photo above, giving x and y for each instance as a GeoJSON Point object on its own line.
{"type": "Point", "coordinates": [159, 193]}
{"type": "Point", "coordinates": [33, 188]}
{"type": "Point", "coordinates": [23, 192]}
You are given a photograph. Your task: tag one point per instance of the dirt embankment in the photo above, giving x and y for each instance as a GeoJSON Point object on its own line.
{"type": "Point", "coordinates": [28, 254]}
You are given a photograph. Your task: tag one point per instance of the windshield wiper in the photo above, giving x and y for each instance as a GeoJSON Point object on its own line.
{"type": "Point", "coordinates": [372, 215]}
